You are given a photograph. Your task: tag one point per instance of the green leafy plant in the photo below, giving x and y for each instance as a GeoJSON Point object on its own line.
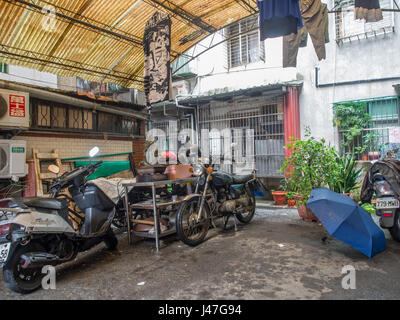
{"type": "Point", "coordinates": [369, 207]}
{"type": "Point", "coordinates": [351, 118]}
{"type": "Point", "coordinates": [310, 165]}
{"type": "Point", "coordinates": [344, 179]}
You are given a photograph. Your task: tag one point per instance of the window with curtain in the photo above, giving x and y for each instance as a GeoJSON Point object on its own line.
{"type": "Point", "coordinates": [246, 47]}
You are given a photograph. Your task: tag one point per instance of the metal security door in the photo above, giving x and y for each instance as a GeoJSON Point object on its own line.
{"type": "Point", "coordinates": [265, 117]}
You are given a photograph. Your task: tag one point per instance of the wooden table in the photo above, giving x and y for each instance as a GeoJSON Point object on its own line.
{"type": "Point", "coordinates": [151, 205]}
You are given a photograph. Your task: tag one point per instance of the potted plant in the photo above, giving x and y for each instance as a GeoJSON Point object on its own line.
{"type": "Point", "coordinates": [344, 178]}
{"type": "Point", "coordinates": [351, 118]}
{"type": "Point", "coordinates": [279, 197]}
{"type": "Point", "coordinates": [290, 199]}
{"type": "Point", "coordinates": [310, 166]}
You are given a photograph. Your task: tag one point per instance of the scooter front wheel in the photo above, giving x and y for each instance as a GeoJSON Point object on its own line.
{"type": "Point", "coordinates": [17, 278]}
{"type": "Point", "coordinates": [191, 230]}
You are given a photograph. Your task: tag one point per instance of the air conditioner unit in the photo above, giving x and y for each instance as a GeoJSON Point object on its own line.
{"type": "Point", "coordinates": [12, 159]}
{"type": "Point", "coordinates": [14, 109]}
{"type": "Point", "coordinates": [181, 88]}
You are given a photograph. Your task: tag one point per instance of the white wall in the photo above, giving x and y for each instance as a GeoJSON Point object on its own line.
{"type": "Point", "coordinates": [359, 60]}
{"type": "Point", "coordinates": [213, 75]}
{"type": "Point", "coordinates": [365, 59]}
{"type": "Point", "coordinates": [30, 76]}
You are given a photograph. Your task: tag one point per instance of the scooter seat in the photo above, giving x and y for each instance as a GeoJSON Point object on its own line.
{"type": "Point", "coordinates": [242, 179]}
{"type": "Point", "coordinates": [46, 203]}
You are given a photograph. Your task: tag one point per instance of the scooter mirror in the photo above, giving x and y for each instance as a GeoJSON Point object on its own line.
{"type": "Point", "coordinates": [53, 168]}
{"type": "Point", "coordinates": [94, 151]}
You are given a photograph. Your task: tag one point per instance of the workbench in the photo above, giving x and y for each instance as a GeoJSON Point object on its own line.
{"type": "Point", "coordinates": [153, 205]}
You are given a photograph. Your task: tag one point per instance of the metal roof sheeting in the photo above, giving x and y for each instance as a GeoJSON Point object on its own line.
{"type": "Point", "coordinates": [101, 39]}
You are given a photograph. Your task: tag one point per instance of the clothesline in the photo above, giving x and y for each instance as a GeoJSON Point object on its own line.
{"type": "Point", "coordinates": [350, 10]}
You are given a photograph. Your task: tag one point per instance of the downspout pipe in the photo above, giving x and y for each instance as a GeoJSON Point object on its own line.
{"type": "Point", "coordinates": [325, 85]}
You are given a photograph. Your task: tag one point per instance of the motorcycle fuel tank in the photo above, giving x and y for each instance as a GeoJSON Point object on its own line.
{"type": "Point", "coordinates": [221, 179]}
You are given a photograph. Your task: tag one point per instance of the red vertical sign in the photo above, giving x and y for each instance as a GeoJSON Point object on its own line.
{"type": "Point", "coordinates": [17, 106]}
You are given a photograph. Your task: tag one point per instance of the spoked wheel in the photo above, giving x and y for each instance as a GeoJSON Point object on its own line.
{"type": "Point", "coordinates": [190, 229]}
{"type": "Point", "coordinates": [245, 217]}
{"type": "Point", "coordinates": [19, 279]}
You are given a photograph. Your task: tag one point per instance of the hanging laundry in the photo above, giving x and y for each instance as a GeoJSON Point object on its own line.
{"type": "Point", "coordinates": [279, 18]}
{"type": "Point", "coordinates": [157, 68]}
{"type": "Point", "coordinates": [369, 10]}
{"type": "Point", "coordinates": [316, 23]}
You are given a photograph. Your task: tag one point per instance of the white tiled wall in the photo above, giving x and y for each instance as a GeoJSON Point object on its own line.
{"type": "Point", "coordinates": [76, 147]}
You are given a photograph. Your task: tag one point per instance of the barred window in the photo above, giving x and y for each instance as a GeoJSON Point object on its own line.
{"type": "Point", "coordinates": [53, 116]}
{"type": "Point", "coordinates": [245, 48]}
{"type": "Point", "coordinates": [349, 29]}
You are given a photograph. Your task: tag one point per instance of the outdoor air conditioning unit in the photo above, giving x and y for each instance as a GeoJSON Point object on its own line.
{"type": "Point", "coordinates": [180, 88]}
{"type": "Point", "coordinates": [12, 159]}
{"type": "Point", "coordinates": [14, 109]}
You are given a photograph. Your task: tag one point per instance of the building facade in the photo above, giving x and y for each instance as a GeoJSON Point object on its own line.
{"type": "Point", "coordinates": [362, 66]}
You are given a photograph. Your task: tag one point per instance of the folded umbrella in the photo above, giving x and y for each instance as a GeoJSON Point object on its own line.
{"type": "Point", "coordinates": [347, 221]}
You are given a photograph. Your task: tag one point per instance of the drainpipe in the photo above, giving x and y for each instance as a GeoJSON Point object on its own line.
{"type": "Point", "coordinates": [191, 115]}
{"type": "Point", "coordinates": [324, 85]}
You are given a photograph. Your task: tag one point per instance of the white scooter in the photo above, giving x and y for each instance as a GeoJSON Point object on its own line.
{"type": "Point", "coordinates": [35, 232]}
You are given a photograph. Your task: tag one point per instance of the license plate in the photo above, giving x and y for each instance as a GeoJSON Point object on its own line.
{"type": "Point", "coordinates": [4, 249]}
{"type": "Point", "coordinates": [387, 203]}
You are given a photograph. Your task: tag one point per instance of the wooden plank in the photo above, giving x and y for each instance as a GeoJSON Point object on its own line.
{"type": "Point", "coordinates": [47, 156]}
{"type": "Point", "coordinates": [47, 176]}
{"type": "Point", "coordinates": [39, 186]}
{"type": "Point", "coordinates": [147, 222]}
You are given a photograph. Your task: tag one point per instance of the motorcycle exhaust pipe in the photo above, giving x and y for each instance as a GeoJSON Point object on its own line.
{"type": "Point", "coordinates": [38, 259]}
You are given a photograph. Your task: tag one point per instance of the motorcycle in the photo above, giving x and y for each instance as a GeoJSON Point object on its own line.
{"type": "Point", "coordinates": [218, 195]}
{"type": "Point", "coordinates": [36, 232]}
{"type": "Point", "coordinates": [383, 179]}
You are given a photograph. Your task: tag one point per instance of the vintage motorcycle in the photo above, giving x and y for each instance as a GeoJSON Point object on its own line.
{"type": "Point", "coordinates": [218, 195]}
{"type": "Point", "coordinates": [35, 232]}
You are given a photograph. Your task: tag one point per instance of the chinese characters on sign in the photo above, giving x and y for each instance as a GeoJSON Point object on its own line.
{"type": "Point", "coordinates": [17, 106]}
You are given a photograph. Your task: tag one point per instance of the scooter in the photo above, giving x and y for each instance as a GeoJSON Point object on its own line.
{"type": "Point", "coordinates": [36, 232]}
{"type": "Point", "coordinates": [383, 180]}
{"type": "Point", "coordinates": [387, 206]}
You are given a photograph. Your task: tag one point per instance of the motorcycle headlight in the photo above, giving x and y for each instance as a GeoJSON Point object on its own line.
{"type": "Point", "coordinates": [198, 170]}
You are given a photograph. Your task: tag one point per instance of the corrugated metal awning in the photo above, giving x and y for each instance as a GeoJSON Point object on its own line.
{"type": "Point", "coordinates": [101, 40]}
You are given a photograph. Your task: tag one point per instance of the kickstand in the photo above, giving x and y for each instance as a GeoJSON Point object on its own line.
{"type": "Point", "coordinates": [234, 221]}
{"type": "Point", "coordinates": [226, 218]}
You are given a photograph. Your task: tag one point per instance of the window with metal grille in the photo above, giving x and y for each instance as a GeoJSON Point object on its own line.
{"type": "Point", "coordinates": [349, 29]}
{"type": "Point", "coordinates": [376, 137]}
{"type": "Point", "coordinates": [246, 47]}
{"type": "Point", "coordinates": [51, 116]}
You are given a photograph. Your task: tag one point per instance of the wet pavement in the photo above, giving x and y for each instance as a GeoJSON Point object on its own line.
{"type": "Point", "coordinates": [276, 256]}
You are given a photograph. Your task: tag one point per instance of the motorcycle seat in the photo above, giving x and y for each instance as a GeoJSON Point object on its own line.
{"type": "Point", "coordinates": [46, 203]}
{"type": "Point", "coordinates": [242, 179]}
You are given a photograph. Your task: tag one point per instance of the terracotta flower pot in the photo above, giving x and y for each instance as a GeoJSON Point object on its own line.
{"type": "Point", "coordinates": [291, 203]}
{"type": "Point", "coordinates": [306, 214]}
{"type": "Point", "coordinates": [279, 197]}
{"type": "Point", "coordinates": [347, 194]}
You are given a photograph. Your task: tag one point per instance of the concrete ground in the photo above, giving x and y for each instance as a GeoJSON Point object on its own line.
{"type": "Point", "coordinates": [276, 256]}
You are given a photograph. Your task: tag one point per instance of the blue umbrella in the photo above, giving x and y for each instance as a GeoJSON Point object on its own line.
{"type": "Point", "coordinates": [347, 221]}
